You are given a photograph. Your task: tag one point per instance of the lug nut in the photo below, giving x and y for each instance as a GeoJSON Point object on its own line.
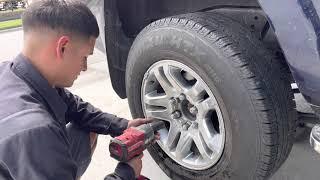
{"type": "Point", "coordinates": [172, 101]}
{"type": "Point", "coordinates": [176, 115]}
{"type": "Point", "coordinates": [182, 97]}
{"type": "Point", "coordinates": [185, 127]}
{"type": "Point", "coordinates": [195, 125]}
{"type": "Point", "coordinates": [193, 110]}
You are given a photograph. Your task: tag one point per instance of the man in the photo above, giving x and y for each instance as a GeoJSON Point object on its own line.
{"type": "Point", "coordinates": [46, 132]}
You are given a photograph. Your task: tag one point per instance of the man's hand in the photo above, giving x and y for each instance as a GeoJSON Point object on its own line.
{"type": "Point", "coordinates": [138, 122]}
{"type": "Point", "coordinates": [136, 164]}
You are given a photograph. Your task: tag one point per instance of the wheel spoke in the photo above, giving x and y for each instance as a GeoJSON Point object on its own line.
{"type": "Point", "coordinates": [158, 114]}
{"type": "Point", "coordinates": [162, 79]}
{"type": "Point", "coordinates": [155, 99]}
{"type": "Point", "coordinates": [174, 131]}
{"type": "Point", "coordinates": [215, 143]}
{"type": "Point", "coordinates": [205, 152]}
{"type": "Point", "coordinates": [175, 78]}
{"type": "Point", "coordinates": [210, 137]}
{"type": "Point", "coordinates": [206, 131]}
{"type": "Point", "coordinates": [205, 106]}
{"type": "Point", "coordinates": [195, 92]}
{"type": "Point", "coordinates": [184, 145]}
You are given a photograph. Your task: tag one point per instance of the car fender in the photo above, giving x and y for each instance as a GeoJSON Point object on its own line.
{"type": "Point", "coordinates": [297, 27]}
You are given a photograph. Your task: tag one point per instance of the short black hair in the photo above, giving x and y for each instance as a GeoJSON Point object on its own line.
{"type": "Point", "coordinates": [71, 17]}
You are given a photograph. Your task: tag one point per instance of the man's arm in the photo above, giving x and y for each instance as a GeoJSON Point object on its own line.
{"type": "Point", "coordinates": [123, 171]}
{"type": "Point", "coordinates": [88, 117]}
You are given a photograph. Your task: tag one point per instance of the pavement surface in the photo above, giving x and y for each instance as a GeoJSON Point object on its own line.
{"type": "Point", "coordinates": [95, 87]}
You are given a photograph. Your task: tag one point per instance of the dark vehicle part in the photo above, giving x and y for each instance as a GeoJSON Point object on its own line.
{"type": "Point", "coordinates": [117, 46]}
{"type": "Point", "coordinates": [302, 52]}
{"type": "Point", "coordinates": [125, 19]}
{"type": "Point", "coordinates": [242, 98]}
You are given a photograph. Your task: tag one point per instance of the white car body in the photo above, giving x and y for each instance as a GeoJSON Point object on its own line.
{"type": "Point", "coordinates": [20, 5]}
{"type": "Point", "coordinates": [1, 5]}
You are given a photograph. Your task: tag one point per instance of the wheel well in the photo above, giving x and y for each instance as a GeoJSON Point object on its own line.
{"type": "Point", "coordinates": [137, 14]}
{"type": "Point", "coordinates": [125, 19]}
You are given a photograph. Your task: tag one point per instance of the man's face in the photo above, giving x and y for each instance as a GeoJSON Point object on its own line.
{"type": "Point", "coordinates": [74, 60]}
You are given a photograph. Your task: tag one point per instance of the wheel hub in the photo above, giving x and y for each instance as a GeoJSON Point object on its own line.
{"type": "Point", "coordinates": [182, 108]}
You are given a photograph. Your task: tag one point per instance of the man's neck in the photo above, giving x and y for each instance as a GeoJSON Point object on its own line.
{"type": "Point", "coordinates": [40, 64]}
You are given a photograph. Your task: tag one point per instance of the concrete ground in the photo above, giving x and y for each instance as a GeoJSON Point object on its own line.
{"type": "Point", "coordinates": [94, 86]}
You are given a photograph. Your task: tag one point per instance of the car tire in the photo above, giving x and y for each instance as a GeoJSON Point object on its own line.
{"type": "Point", "coordinates": [253, 94]}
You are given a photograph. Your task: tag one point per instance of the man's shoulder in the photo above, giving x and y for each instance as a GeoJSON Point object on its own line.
{"type": "Point", "coordinates": [7, 76]}
{"type": "Point", "coordinates": [15, 94]}
{"type": "Point", "coordinates": [4, 63]}
{"type": "Point", "coordinates": [5, 70]}
{"type": "Point", "coordinates": [4, 66]}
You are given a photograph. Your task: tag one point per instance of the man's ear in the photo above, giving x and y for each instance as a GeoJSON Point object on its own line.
{"type": "Point", "coordinates": [62, 43]}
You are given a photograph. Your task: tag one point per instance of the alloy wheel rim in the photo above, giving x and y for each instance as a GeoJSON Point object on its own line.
{"type": "Point", "coordinates": [194, 136]}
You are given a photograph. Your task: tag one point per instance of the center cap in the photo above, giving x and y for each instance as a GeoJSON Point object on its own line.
{"type": "Point", "coordinates": [180, 107]}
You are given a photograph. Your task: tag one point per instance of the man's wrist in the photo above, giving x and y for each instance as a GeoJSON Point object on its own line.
{"type": "Point", "coordinates": [125, 171]}
{"type": "Point", "coordinates": [117, 126]}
